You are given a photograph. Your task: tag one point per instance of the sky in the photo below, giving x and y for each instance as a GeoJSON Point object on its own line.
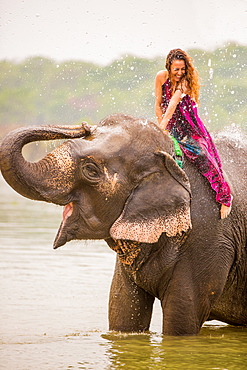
{"type": "Point", "coordinates": [101, 31]}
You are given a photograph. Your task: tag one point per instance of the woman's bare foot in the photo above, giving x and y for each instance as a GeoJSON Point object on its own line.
{"type": "Point", "coordinates": [224, 210]}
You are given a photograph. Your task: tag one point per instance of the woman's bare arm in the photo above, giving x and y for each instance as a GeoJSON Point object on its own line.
{"type": "Point", "coordinates": [175, 99]}
{"type": "Point", "coordinates": [160, 79]}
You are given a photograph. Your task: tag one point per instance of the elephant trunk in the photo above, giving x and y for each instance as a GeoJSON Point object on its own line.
{"type": "Point", "coordinates": [52, 175]}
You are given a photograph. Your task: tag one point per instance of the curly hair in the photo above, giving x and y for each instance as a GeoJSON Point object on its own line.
{"type": "Point", "coordinates": [191, 74]}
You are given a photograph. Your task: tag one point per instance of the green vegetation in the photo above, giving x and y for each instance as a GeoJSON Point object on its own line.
{"type": "Point", "coordinates": [41, 91]}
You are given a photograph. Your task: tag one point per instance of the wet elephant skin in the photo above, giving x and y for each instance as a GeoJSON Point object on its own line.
{"type": "Point", "coordinates": [119, 181]}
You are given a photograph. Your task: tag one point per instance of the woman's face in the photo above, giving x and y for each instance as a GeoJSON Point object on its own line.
{"type": "Point", "coordinates": [177, 70]}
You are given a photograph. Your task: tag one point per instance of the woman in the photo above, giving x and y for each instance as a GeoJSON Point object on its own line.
{"type": "Point", "coordinates": [177, 95]}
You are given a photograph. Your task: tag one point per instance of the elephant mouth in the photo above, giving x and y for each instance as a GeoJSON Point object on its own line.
{"type": "Point", "coordinates": [67, 211]}
{"type": "Point", "coordinates": [63, 234]}
{"type": "Point", "coordinates": [81, 222]}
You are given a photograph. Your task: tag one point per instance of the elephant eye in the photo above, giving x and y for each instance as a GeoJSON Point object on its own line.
{"type": "Point", "coordinates": [91, 172]}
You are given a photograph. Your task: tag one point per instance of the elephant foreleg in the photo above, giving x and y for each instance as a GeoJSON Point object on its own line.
{"type": "Point", "coordinates": [184, 310]}
{"type": "Point", "coordinates": [130, 307]}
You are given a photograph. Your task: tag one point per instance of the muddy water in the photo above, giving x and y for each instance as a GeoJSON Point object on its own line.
{"type": "Point", "coordinates": [53, 306]}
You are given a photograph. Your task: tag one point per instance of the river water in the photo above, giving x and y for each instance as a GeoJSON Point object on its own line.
{"type": "Point", "coordinates": [53, 306]}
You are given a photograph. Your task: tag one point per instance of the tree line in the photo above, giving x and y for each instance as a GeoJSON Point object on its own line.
{"type": "Point", "coordinates": [42, 91]}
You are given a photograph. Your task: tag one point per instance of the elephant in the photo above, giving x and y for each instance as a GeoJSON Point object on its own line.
{"type": "Point", "coordinates": [119, 181]}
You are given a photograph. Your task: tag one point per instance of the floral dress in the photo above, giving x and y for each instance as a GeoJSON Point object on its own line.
{"type": "Point", "coordinates": [196, 142]}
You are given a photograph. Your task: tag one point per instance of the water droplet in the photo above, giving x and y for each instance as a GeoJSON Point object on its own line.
{"type": "Point", "coordinates": [211, 72]}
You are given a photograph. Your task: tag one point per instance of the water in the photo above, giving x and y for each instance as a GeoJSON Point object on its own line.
{"type": "Point", "coordinates": [53, 306]}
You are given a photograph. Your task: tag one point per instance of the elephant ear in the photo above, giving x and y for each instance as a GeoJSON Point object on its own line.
{"type": "Point", "coordinates": [159, 204]}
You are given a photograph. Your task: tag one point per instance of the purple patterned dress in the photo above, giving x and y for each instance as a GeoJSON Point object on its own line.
{"type": "Point", "coordinates": [196, 142]}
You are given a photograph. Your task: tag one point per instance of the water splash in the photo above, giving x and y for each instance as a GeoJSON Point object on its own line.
{"type": "Point", "coordinates": [233, 133]}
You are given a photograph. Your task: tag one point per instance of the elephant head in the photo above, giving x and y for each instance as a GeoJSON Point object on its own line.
{"type": "Point", "coordinates": [117, 179]}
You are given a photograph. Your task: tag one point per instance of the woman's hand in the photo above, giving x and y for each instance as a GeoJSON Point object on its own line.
{"type": "Point", "coordinates": [164, 123]}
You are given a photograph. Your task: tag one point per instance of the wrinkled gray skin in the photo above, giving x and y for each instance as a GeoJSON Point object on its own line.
{"type": "Point", "coordinates": [119, 182]}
